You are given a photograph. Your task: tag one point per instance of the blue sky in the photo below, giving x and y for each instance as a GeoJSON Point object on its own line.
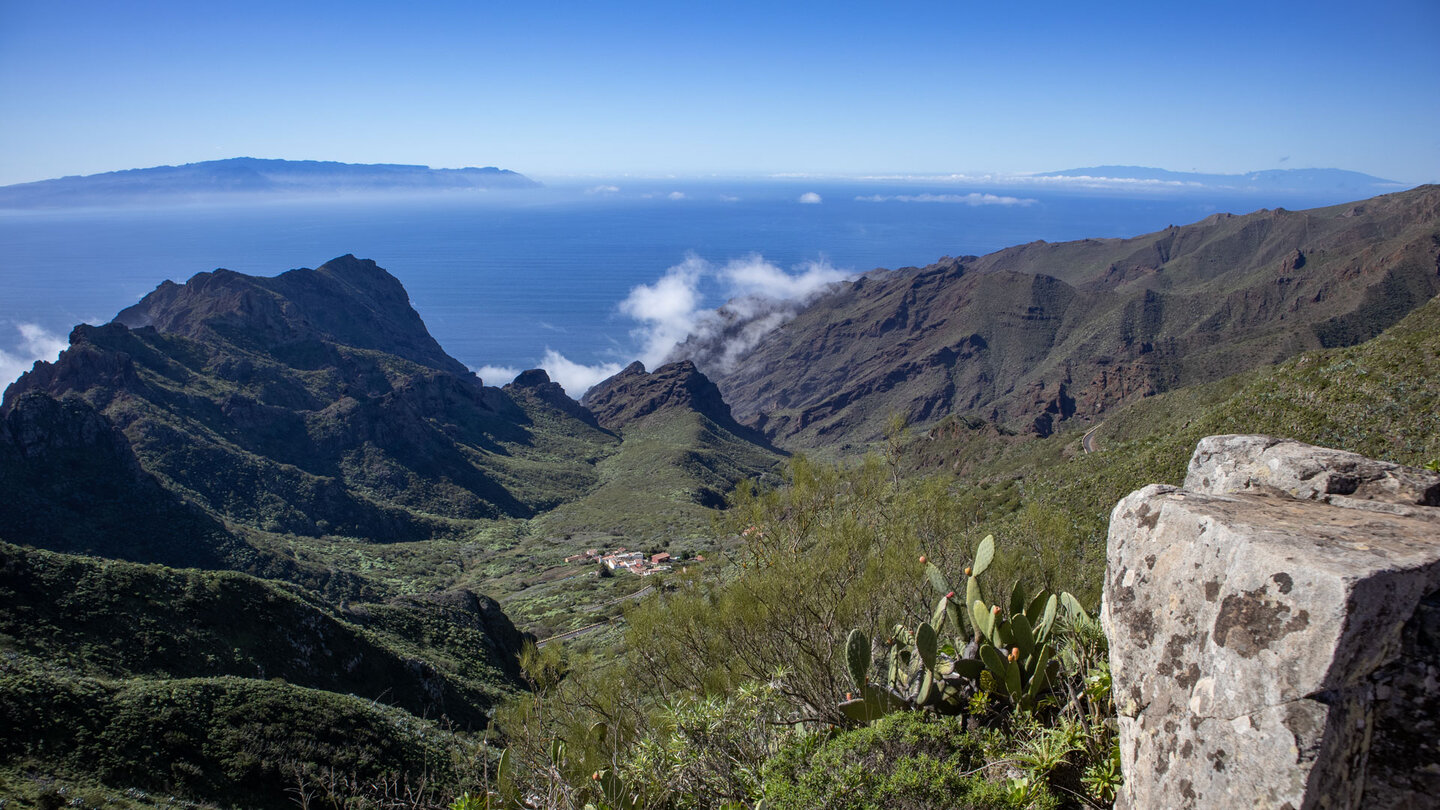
{"type": "Point", "coordinates": [553, 89]}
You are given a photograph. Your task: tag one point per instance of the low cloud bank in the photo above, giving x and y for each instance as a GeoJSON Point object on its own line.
{"type": "Point", "coordinates": [576, 378]}
{"type": "Point", "coordinates": [1049, 181]}
{"type": "Point", "coordinates": [973, 198]}
{"type": "Point", "coordinates": [36, 343]}
{"type": "Point", "coordinates": [675, 323]}
{"type": "Point", "coordinates": [496, 375]}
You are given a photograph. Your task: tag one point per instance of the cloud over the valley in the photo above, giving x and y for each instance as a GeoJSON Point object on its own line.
{"type": "Point", "coordinates": [672, 311]}
{"type": "Point", "coordinates": [35, 343]}
{"type": "Point", "coordinates": [576, 378]}
{"type": "Point", "coordinates": [497, 375]}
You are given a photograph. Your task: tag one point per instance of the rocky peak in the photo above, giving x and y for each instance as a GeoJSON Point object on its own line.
{"type": "Point", "coordinates": [634, 394]}
{"type": "Point", "coordinates": [538, 385]}
{"type": "Point", "coordinates": [348, 301]}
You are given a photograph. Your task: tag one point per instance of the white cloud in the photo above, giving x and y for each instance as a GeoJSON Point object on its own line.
{"type": "Point", "coordinates": [677, 195]}
{"type": "Point", "coordinates": [576, 378]}
{"type": "Point", "coordinates": [973, 199]}
{"type": "Point", "coordinates": [753, 276]}
{"type": "Point", "coordinates": [603, 190]}
{"type": "Point", "coordinates": [667, 309]}
{"type": "Point", "coordinates": [762, 296]}
{"type": "Point", "coordinates": [496, 375]}
{"type": "Point", "coordinates": [35, 344]}
{"type": "Point", "coordinates": [810, 198]}
{"type": "Point", "coordinates": [672, 309]}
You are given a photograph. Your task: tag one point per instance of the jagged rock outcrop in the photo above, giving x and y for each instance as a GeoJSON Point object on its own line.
{"type": "Point", "coordinates": [634, 394]}
{"type": "Point", "coordinates": [537, 385]}
{"type": "Point", "coordinates": [1275, 631]}
{"type": "Point", "coordinates": [347, 301]}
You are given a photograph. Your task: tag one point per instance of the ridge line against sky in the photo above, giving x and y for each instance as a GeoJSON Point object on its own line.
{"type": "Point", "coordinates": [572, 88]}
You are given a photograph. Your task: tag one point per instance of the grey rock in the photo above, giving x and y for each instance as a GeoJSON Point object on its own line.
{"type": "Point", "coordinates": [1260, 463]}
{"type": "Point", "coordinates": [1273, 645]}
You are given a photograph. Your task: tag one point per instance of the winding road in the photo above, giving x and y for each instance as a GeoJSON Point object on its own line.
{"type": "Point", "coordinates": [1087, 442]}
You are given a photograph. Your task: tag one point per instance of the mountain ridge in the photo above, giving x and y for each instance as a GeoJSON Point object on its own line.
{"type": "Point", "coordinates": [1036, 334]}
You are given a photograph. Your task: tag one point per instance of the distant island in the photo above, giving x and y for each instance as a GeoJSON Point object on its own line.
{"type": "Point", "coordinates": [252, 176]}
{"type": "Point", "coordinates": [1273, 180]}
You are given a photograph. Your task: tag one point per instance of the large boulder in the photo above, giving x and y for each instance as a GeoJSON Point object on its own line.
{"type": "Point", "coordinates": [1275, 631]}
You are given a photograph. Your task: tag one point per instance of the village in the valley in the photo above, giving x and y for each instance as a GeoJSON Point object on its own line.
{"type": "Point", "coordinates": [636, 562]}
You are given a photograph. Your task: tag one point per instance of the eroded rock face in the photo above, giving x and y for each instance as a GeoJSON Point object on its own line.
{"type": "Point", "coordinates": [1275, 631]}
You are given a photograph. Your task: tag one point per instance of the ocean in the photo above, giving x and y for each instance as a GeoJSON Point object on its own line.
{"type": "Point", "coordinates": [506, 280]}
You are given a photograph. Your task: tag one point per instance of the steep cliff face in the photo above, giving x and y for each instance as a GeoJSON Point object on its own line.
{"type": "Point", "coordinates": [1038, 334]}
{"type": "Point", "coordinates": [316, 403]}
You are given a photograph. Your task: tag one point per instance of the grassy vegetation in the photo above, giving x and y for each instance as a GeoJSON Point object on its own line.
{"type": "Point", "coordinates": [1051, 501]}
{"type": "Point", "coordinates": [221, 687]}
{"type": "Point", "coordinates": [231, 741]}
{"type": "Point", "coordinates": [663, 484]}
{"type": "Point", "coordinates": [732, 682]}
{"type": "Point", "coordinates": [905, 760]}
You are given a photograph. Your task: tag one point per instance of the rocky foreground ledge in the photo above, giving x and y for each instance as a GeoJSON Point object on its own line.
{"type": "Point", "coordinates": [1275, 631]}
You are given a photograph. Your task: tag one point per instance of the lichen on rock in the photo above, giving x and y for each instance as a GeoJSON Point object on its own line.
{"type": "Point", "coordinates": [1275, 631]}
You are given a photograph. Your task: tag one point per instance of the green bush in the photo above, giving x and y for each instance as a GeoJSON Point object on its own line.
{"type": "Point", "coordinates": [905, 761]}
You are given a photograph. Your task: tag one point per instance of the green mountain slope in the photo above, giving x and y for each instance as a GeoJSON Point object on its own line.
{"type": "Point", "coordinates": [213, 683]}
{"type": "Point", "coordinates": [298, 428]}
{"type": "Point", "coordinates": [681, 453]}
{"type": "Point", "coordinates": [118, 619]}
